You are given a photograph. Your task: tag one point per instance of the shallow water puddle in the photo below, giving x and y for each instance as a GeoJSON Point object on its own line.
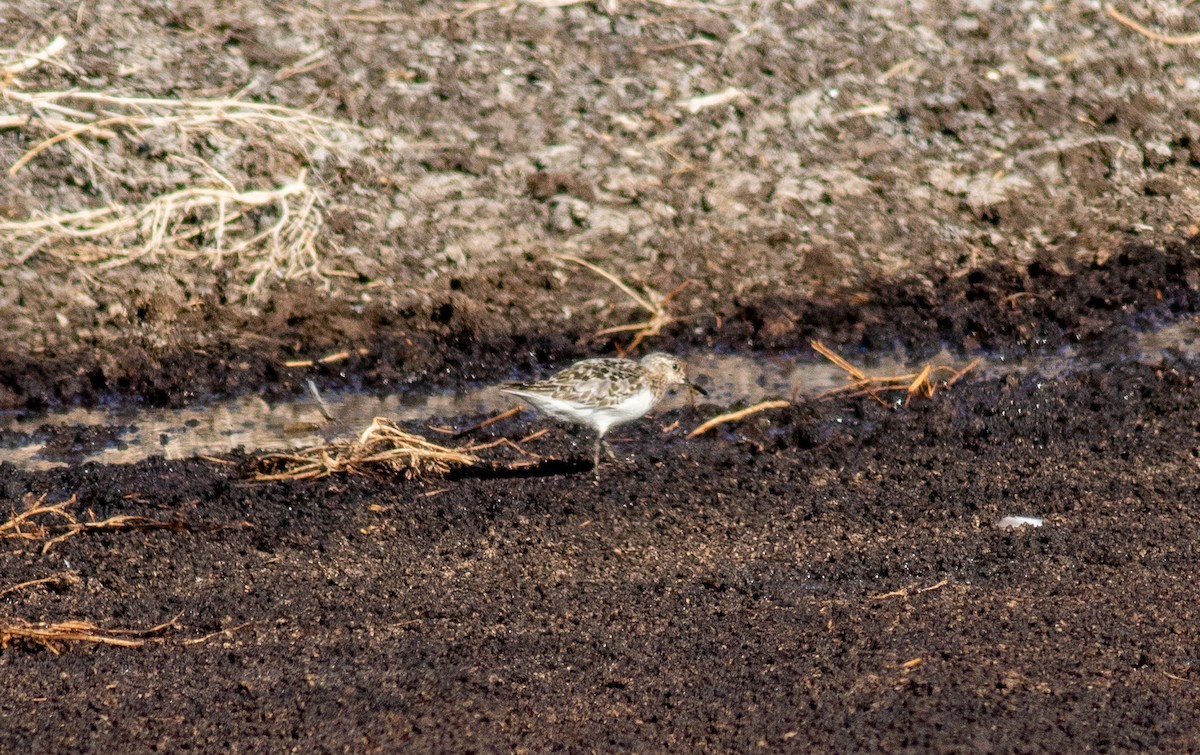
{"type": "Point", "coordinates": [255, 425]}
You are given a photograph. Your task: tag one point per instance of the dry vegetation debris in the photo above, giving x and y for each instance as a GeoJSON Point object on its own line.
{"type": "Point", "coordinates": [382, 446]}
{"type": "Point", "coordinates": [52, 523]}
{"type": "Point", "coordinates": [163, 169]}
{"type": "Point", "coordinates": [744, 145]}
{"type": "Point", "coordinates": [649, 300]}
{"type": "Point", "coordinates": [54, 636]}
{"type": "Point", "coordinates": [738, 415]}
{"type": "Point", "coordinates": [924, 382]}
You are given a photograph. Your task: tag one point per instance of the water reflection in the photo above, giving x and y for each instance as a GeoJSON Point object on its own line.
{"type": "Point", "coordinates": [254, 424]}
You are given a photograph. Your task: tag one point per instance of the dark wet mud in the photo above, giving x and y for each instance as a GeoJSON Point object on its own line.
{"type": "Point", "coordinates": [826, 578]}
{"type": "Point", "coordinates": [1036, 309]}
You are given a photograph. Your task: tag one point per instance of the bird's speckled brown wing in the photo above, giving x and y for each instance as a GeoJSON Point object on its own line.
{"type": "Point", "coordinates": [593, 382]}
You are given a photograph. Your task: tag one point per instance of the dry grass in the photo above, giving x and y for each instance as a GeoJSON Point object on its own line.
{"type": "Point", "coordinates": [923, 383]}
{"type": "Point", "coordinates": [385, 447]}
{"type": "Point", "coordinates": [57, 580]}
{"type": "Point", "coordinates": [191, 209]}
{"type": "Point", "coordinates": [740, 414]}
{"type": "Point", "coordinates": [654, 303]}
{"type": "Point", "coordinates": [382, 446]}
{"type": "Point", "coordinates": [190, 223]}
{"type": "Point", "coordinates": [53, 636]}
{"type": "Point", "coordinates": [52, 523]}
{"type": "Point", "coordinates": [1166, 39]}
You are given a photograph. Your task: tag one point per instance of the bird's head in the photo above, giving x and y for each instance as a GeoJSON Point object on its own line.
{"type": "Point", "coordinates": [666, 371]}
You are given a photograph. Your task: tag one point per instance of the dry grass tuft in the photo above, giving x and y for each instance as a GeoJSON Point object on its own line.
{"type": "Point", "coordinates": [924, 383]}
{"type": "Point", "coordinates": [383, 445]}
{"type": "Point", "coordinates": [190, 223]}
{"type": "Point", "coordinates": [165, 152]}
{"type": "Point", "coordinates": [654, 303]}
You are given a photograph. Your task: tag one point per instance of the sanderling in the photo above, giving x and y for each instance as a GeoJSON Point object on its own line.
{"type": "Point", "coordinates": [603, 393]}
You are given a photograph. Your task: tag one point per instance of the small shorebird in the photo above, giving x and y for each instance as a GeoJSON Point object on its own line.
{"type": "Point", "coordinates": [603, 393]}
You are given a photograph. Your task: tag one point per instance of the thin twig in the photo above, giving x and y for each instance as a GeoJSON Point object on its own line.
{"type": "Point", "coordinates": [649, 300]}
{"type": "Point", "coordinates": [904, 592]}
{"type": "Point", "coordinates": [958, 375]}
{"type": "Point", "coordinates": [15, 526]}
{"type": "Point", "coordinates": [34, 59]}
{"type": "Point", "coordinates": [479, 425]}
{"type": "Point", "coordinates": [625, 288]}
{"type": "Point", "coordinates": [712, 7]}
{"type": "Point", "coordinates": [339, 356]}
{"type": "Point", "coordinates": [115, 523]}
{"type": "Point", "coordinates": [55, 578]}
{"type": "Point", "coordinates": [855, 373]}
{"type": "Point", "coordinates": [705, 101]}
{"type": "Point", "coordinates": [1187, 39]}
{"type": "Point", "coordinates": [738, 415]}
{"type": "Point", "coordinates": [218, 633]}
{"type": "Point", "coordinates": [27, 526]}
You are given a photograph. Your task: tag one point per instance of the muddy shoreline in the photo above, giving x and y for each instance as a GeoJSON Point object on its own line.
{"type": "Point", "coordinates": [828, 578]}
{"type": "Point", "coordinates": [1039, 308]}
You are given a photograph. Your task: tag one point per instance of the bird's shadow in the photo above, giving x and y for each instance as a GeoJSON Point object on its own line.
{"type": "Point", "coordinates": [548, 467]}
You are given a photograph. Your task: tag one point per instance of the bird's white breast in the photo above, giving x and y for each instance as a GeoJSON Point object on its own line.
{"type": "Point", "coordinates": [599, 417]}
{"type": "Point", "coordinates": [628, 410]}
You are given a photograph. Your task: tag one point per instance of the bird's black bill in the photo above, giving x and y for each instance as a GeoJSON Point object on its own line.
{"type": "Point", "coordinates": [697, 388]}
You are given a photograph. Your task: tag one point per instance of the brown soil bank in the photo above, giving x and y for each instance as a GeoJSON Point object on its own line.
{"type": "Point", "coordinates": [826, 579]}
{"type": "Point", "coordinates": [1037, 307]}
{"type": "Point", "coordinates": [192, 194]}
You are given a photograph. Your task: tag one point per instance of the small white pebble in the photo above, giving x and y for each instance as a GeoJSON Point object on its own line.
{"type": "Point", "coordinates": [1010, 522]}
